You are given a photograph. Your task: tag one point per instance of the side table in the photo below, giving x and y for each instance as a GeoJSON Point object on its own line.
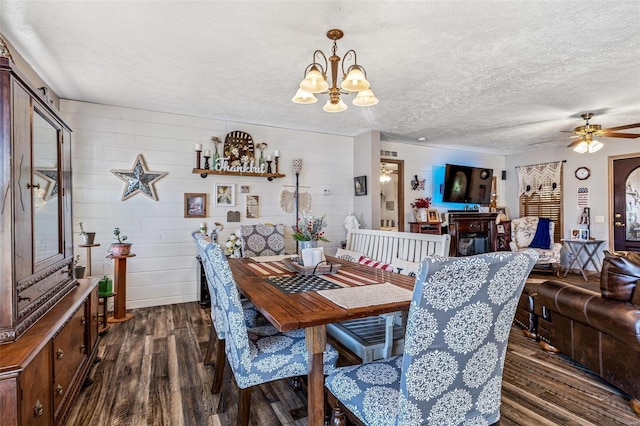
{"type": "Point", "coordinates": [120, 285]}
{"type": "Point", "coordinates": [589, 247]}
{"type": "Point", "coordinates": [88, 247]}
{"type": "Point", "coordinates": [103, 325]}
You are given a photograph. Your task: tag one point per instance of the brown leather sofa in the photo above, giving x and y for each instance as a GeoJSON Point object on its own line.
{"type": "Point", "coordinates": [600, 330]}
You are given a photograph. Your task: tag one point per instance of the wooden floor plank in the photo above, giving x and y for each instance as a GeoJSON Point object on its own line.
{"type": "Point", "coordinates": [152, 373]}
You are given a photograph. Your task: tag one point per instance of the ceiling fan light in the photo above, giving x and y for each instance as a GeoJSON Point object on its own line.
{"type": "Point", "coordinates": [314, 82]}
{"type": "Point", "coordinates": [303, 97]}
{"type": "Point", "coordinates": [355, 80]}
{"type": "Point", "coordinates": [582, 147]}
{"type": "Point", "coordinates": [595, 146]}
{"type": "Point", "coordinates": [365, 98]}
{"type": "Point", "coordinates": [337, 107]}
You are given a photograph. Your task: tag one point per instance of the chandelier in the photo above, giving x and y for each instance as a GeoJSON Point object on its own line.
{"type": "Point", "coordinates": [588, 144]}
{"type": "Point", "coordinates": [353, 80]}
{"type": "Point", "coordinates": [384, 175]}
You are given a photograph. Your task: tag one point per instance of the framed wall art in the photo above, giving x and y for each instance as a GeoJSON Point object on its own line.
{"type": "Point", "coordinates": [432, 216]}
{"type": "Point", "coordinates": [225, 194]}
{"type": "Point", "coordinates": [253, 206]}
{"type": "Point", "coordinates": [360, 185]}
{"type": "Point", "coordinates": [195, 205]}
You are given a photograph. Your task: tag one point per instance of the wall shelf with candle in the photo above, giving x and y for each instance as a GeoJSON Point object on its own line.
{"type": "Point", "coordinates": [205, 172]}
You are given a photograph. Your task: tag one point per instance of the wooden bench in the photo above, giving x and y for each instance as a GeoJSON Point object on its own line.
{"type": "Point", "coordinates": [381, 337]}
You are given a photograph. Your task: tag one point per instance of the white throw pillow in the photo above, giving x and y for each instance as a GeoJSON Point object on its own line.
{"type": "Point", "coordinates": [405, 267]}
{"type": "Point", "coordinates": [349, 255]}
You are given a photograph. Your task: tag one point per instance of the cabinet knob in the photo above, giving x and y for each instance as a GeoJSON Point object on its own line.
{"type": "Point", "coordinates": [59, 354]}
{"type": "Point", "coordinates": [38, 409]}
{"type": "Point", "coordinates": [59, 390]}
{"type": "Point", "coordinates": [36, 186]}
{"type": "Point", "coordinates": [83, 349]}
{"type": "Point", "coordinates": [83, 320]}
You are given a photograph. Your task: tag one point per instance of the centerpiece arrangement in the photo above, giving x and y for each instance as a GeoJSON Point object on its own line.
{"type": "Point", "coordinates": [308, 231]}
{"type": "Point", "coordinates": [420, 207]}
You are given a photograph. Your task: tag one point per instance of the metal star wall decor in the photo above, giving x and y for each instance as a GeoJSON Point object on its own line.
{"type": "Point", "coordinates": [139, 180]}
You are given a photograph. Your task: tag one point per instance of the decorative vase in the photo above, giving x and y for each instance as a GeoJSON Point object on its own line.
{"type": "Point", "coordinates": [308, 244]}
{"type": "Point", "coordinates": [421, 214]}
{"type": "Point", "coordinates": [78, 272]}
{"type": "Point", "coordinates": [88, 238]}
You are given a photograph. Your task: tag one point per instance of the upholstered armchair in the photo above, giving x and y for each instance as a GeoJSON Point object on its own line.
{"type": "Point", "coordinates": [455, 344]}
{"type": "Point", "coordinates": [523, 231]}
{"type": "Point", "coordinates": [262, 239]}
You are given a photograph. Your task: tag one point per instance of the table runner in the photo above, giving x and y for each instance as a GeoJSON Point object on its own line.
{"type": "Point", "coordinates": [368, 295]}
{"type": "Point", "coordinates": [276, 258]}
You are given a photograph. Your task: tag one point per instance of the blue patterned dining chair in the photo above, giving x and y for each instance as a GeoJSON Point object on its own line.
{"type": "Point", "coordinates": [216, 333]}
{"type": "Point", "coordinates": [455, 345]}
{"type": "Point", "coordinates": [262, 239]}
{"type": "Point", "coordinates": [256, 356]}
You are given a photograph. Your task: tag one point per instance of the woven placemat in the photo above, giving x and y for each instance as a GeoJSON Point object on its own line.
{"type": "Point", "coordinates": [367, 295]}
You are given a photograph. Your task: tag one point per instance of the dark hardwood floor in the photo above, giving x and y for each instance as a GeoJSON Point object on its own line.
{"type": "Point", "coordinates": [152, 373]}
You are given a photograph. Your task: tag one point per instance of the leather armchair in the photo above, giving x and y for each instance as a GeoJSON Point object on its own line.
{"type": "Point", "coordinates": [599, 330]}
{"type": "Point", "coordinates": [522, 232]}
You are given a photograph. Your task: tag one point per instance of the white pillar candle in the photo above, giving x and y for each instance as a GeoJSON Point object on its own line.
{"type": "Point", "coordinates": [276, 153]}
{"type": "Point", "coordinates": [198, 147]}
{"type": "Point", "coordinates": [268, 157]}
{"type": "Point", "coordinates": [207, 153]}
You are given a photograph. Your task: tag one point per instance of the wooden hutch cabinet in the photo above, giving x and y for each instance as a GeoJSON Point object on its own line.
{"type": "Point", "coordinates": [48, 319]}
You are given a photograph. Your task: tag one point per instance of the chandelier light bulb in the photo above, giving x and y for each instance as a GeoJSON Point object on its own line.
{"type": "Point", "coordinates": [582, 147]}
{"type": "Point", "coordinates": [303, 97]}
{"type": "Point", "coordinates": [355, 80]}
{"type": "Point", "coordinates": [365, 98]}
{"type": "Point", "coordinates": [339, 107]}
{"type": "Point", "coordinates": [595, 146]}
{"type": "Point", "coordinates": [314, 82]}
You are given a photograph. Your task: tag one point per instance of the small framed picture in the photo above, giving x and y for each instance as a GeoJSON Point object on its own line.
{"type": "Point", "coordinates": [580, 234]}
{"type": "Point", "coordinates": [432, 216]}
{"type": "Point", "coordinates": [390, 205]}
{"type": "Point", "coordinates": [195, 205]}
{"type": "Point", "coordinates": [225, 194]}
{"type": "Point", "coordinates": [244, 189]}
{"type": "Point", "coordinates": [502, 212]}
{"type": "Point", "coordinates": [253, 206]}
{"type": "Point", "coordinates": [360, 185]}
{"type": "Point", "coordinates": [500, 229]}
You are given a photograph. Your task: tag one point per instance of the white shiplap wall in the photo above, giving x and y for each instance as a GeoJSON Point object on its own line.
{"type": "Point", "coordinates": [164, 271]}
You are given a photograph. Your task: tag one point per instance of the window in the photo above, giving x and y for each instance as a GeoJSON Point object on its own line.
{"type": "Point", "coordinates": [541, 193]}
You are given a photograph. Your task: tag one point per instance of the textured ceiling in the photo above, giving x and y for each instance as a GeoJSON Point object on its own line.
{"type": "Point", "coordinates": [502, 77]}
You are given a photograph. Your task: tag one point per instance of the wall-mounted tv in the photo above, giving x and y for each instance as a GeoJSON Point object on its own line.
{"type": "Point", "coordinates": [464, 184]}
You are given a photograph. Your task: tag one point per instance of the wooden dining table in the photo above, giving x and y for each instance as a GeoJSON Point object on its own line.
{"type": "Point", "coordinates": [310, 310]}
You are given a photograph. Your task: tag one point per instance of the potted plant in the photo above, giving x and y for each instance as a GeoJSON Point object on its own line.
{"type": "Point", "coordinates": [87, 237]}
{"type": "Point", "coordinates": [78, 270]}
{"type": "Point", "coordinates": [120, 248]}
{"type": "Point", "coordinates": [420, 207]}
{"type": "Point", "coordinates": [308, 231]}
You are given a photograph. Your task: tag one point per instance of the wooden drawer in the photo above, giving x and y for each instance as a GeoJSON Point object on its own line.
{"type": "Point", "coordinates": [69, 350]}
{"type": "Point", "coordinates": [35, 389]}
{"type": "Point", "coordinates": [473, 226]}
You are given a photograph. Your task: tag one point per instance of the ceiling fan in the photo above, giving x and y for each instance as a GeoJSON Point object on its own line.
{"type": "Point", "coordinates": [586, 134]}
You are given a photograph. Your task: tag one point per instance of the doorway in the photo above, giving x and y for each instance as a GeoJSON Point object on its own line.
{"type": "Point", "coordinates": [625, 202]}
{"type": "Point", "coordinates": [391, 194]}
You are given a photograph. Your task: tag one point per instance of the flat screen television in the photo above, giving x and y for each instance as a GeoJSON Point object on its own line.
{"type": "Point", "coordinates": [464, 184]}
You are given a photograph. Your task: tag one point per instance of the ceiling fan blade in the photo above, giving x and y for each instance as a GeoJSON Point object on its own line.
{"type": "Point", "coordinates": [621, 135]}
{"type": "Point", "coordinates": [574, 143]}
{"type": "Point", "coordinates": [628, 126]}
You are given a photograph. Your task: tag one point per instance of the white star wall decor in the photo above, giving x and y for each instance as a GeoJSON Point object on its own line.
{"type": "Point", "coordinates": [139, 180]}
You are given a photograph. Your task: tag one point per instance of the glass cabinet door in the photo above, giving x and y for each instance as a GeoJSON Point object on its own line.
{"type": "Point", "coordinates": [46, 191]}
